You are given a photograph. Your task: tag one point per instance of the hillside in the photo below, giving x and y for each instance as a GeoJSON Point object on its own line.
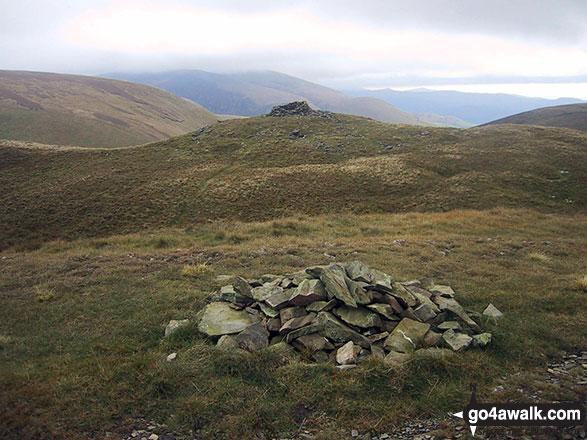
{"type": "Point", "coordinates": [254, 93]}
{"type": "Point", "coordinates": [255, 169]}
{"type": "Point", "coordinates": [475, 108]}
{"type": "Point", "coordinates": [93, 112]}
{"type": "Point", "coordinates": [569, 116]}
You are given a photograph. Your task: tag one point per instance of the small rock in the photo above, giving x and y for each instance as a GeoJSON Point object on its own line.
{"type": "Point", "coordinates": [346, 354]}
{"type": "Point", "coordinates": [492, 312]}
{"type": "Point", "coordinates": [171, 357]}
{"type": "Point", "coordinates": [175, 325]}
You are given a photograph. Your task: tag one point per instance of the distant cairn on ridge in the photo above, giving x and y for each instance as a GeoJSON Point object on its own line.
{"type": "Point", "coordinates": [297, 108]}
{"type": "Point", "coordinates": [342, 313]}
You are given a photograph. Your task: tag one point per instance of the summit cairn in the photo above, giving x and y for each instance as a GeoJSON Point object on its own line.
{"type": "Point", "coordinates": [342, 313]}
{"type": "Point", "coordinates": [297, 108]}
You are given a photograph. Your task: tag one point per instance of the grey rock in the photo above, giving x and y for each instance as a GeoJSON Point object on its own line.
{"type": "Point", "coordinates": [242, 287]}
{"type": "Point", "coordinates": [252, 338]}
{"type": "Point", "coordinates": [268, 310]}
{"type": "Point", "coordinates": [296, 323]}
{"type": "Point", "coordinates": [403, 296]}
{"type": "Point", "coordinates": [453, 306]}
{"type": "Point", "coordinates": [448, 325]}
{"type": "Point", "coordinates": [278, 301]}
{"type": "Point", "coordinates": [492, 312]}
{"type": "Point", "coordinates": [291, 312]}
{"type": "Point", "coordinates": [337, 331]}
{"type": "Point", "coordinates": [227, 341]}
{"type": "Point", "coordinates": [219, 319]}
{"type": "Point", "coordinates": [424, 312]}
{"type": "Point", "coordinates": [395, 358]}
{"type": "Point", "coordinates": [442, 290]}
{"type": "Point", "coordinates": [481, 340]}
{"type": "Point", "coordinates": [347, 354]}
{"type": "Point", "coordinates": [384, 310]}
{"type": "Point", "coordinates": [456, 341]}
{"type": "Point", "coordinates": [407, 336]}
{"type": "Point", "coordinates": [312, 343]}
{"type": "Point", "coordinates": [359, 317]}
{"type": "Point", "coordinates": [307, 292]}
{"type": "Point", "coordinates": [334, 279]}
{"type": "Point", "coordinates": [303, 331]}
{"type": "Point", "coordinates": [265, 291]}
{"type": "Point", "coordinates": [174, 325]}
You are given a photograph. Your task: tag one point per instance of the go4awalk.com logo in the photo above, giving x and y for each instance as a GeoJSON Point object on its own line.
{"type": "Point", "coordinates": [478, 414]}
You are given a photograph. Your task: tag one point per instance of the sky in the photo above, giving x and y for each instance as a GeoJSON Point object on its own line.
{"type": "Point", "coordinates": [525, 47]}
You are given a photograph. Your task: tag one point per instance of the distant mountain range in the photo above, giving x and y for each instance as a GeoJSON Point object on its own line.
{"type": "Point", "coordinates": [87, 111]}
{"type": "Point", "coordinates": [477, 108]}
{"type": "Point", "coordinates": [255, 93]}
{"type": "Point", "coordinates": [569, 116]}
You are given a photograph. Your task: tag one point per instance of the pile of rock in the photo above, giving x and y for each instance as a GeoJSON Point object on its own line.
{"type": "Point", "coordinates": [297, 108]}
{"type": "Point", "coordinates": [342, 313]}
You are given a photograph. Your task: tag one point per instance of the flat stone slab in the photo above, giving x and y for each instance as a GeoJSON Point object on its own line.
{"type": "Point", "coordinates": [307, 292]}
{"type": "Point", "coordinates": [312, 343]}
{"type": "Point", "coordinates": [407, 336]}
{"type": "Point", "coordinates": [346, 354]}
{"type": "Point", "coordinates": [456, 341]}
{"type": "Point", "coordinates": [384, 310]}
{"type": "Point", "coordinates": [218, 319]}
{"type": "Point", "coordinates": [335, 284]}
{"type": "Point", "coordinates": [337, 331]}
{"type": "Point", "coordinates": [359, 317]}
{"type": "Point", "coordinates": [252, 338]}
{"type": "Point", "coordinates": [492, 312]}
{"type": "Point", "coordinates": [265, 291]}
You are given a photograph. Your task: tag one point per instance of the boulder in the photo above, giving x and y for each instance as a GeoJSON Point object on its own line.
{"type": "Point", "coordinates": [278, 301]}
{"type": "Point", "coordinates": [296, 323]}
{"type": "Point", "coordinates": [407, 336]}
{"type": "Point", "coordinates": [403, 296]}
{"type": "Point", "coordinates": [242, 287]}
{"type": "Point", "coordinates": [174, 325]}
{"type": "Point", "coordinates": [492, 312]}
{"type": "Point", "coordinates": [227, 341]}
{"type": "Point", "coordinates": [432, 339]}
{"type": "Point", "coordinates": [384, 310]}
{"type": "Point", "coordinates": [291, 312]}
{"type": "Point", "coordinates": [424, 313]}
{"type": "Point", "coordinates": [334, 279]}
{"type": "Point", "coordinates": [347, 354]}
{"type": "Point", "coordinates": [219, 319]}
{"type": "Point", "coordinates": [441, 290]}
{"type": "Point", "coordinates": [359, 317]}
{"type": "Point", "coordinates": [265, 291]}
{"type": "Point", "coordinates": [269, 311]}
{"type": "Point", "coordinates": [456, 341]}
{"type": "Point", "coordinates": [481, 340]}
{"type": "Point", "coordinates": [312, 343]}
{"type": "Point", "coordinates": [252, 338]}
{"type": "Point", "coordinates": [337, 331]}
{"type": "Point", "coordinates": [307, 292]}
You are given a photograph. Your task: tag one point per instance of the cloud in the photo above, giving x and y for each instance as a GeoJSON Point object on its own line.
{"type": "Point", "coordinates": [367, 43]}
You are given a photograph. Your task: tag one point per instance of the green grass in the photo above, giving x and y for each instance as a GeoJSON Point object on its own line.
{"type": "Point", "coordinates": [92, 357]}
{"type": "Point", "coordinates": [251, 170]}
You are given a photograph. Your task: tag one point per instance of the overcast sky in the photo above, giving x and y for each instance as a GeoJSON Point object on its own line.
{"type": "Point", "coordinates": [528, 47]}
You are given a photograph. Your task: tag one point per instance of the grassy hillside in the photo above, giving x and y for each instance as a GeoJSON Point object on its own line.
{"type": "Point", "coordinates": [254, 93]}
{"type": "Point", "coordinates": [252, 169]}
{"type": "Point", "coordinates": [94, 112]}
{"type": "Point", "coordinates": [82, 352]}
{"type": "Point", "coordinates": [570, 116]}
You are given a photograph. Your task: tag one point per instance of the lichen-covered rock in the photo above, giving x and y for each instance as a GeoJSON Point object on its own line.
{"type": "Point", "coordinates": [335, 284]}
{"type": "Point", "coordinates": [359, 317]}
{"type": "Point", "coordinates": [346, 354]}
{"type": "Point", "coordinates": [492, 312]}
{"type": "Point", "coordinates": [174, 325]}
{"type": "Point", "coordinates": [265, 291]}
{"type": "Point", "coordinates": [456, 341]}
{"type": "Point", "coordinates": [219, 319]}
{"type": "Point", "coordinates": [384, 310]}
{"type": "Point", "coordinates": [307, 292]}
{"type": "Point", "coordinates": [335, 330]}
{"type": "Point", "coordinates": [252, 338]}
{"type": "Point", "coordinates": [407, 336]}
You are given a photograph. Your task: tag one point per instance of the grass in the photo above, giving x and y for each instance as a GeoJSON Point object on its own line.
{"type": "Point", "coordinates": [251, 170]}
{"type": "Point", "coordinates": [581, 283]}
{"type": "Point", "coordinates": [197, 271]}
{"type": "Point", "coordinates": [93, 357]}
{"type": "Point", "coordinates": [91, 112]}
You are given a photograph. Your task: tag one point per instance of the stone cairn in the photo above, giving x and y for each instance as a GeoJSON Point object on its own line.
{"type": "Point", "coordinates": [297, 108]}
{"type": "Point", "coordinates": [342, 313]}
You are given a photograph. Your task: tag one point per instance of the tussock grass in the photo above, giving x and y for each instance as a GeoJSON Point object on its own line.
{"type": "Point", "coordinates": [197, 271]}
{"type": "Point", "coordinates": [580, 283]}
{"type": "Point", "coordinates": [539, 257]}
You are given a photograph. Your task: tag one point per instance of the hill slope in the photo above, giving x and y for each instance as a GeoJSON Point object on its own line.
{"type": "Point", "coordinates": [87, 111]}
{"type": "Point", "coordinates": [477, 108]}
{"type": "Point", "coordinates": [254, 93]}
{"type": "Point", "coordinates": [570, 116]}
{"type": "Point", "coordinates": [254, 169]}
